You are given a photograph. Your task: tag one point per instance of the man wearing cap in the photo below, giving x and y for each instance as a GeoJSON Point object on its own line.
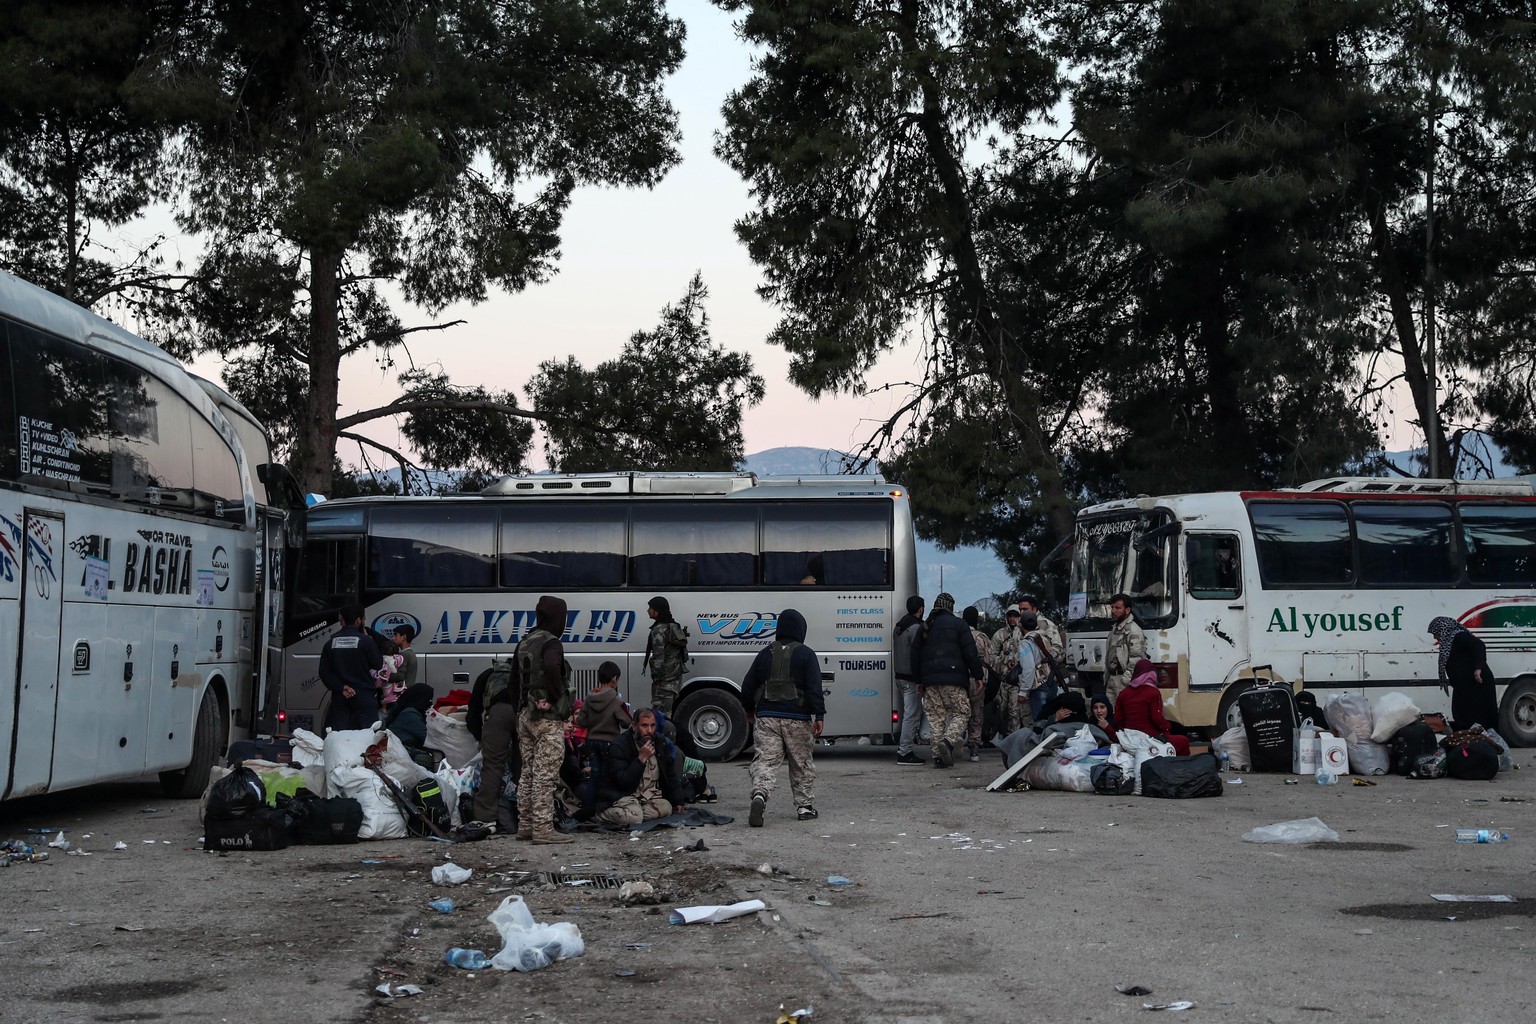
{"type": "Point", "coordinates": [946, 660]}
{"type": "Point", "coordinates": [666, 654]}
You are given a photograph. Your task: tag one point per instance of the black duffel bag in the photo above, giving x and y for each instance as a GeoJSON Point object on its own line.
{"type": "Point", "coordinates": [1181, 778]}
{"type": "Point", "coordinates": [266, 828]}
{"type": "Point", "coordinates": [319, 822]}
{"type": "Point", "coordinates": [1109, 780]}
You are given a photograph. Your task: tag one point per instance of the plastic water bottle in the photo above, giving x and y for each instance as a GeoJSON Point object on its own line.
{"type": "Point", "coordinates": [1480, 835]}
{"type": "Point", "coordinates": [1226, 759]}
{"type": "Point", "coordinates": [469, 959]}
{"type": "Point", "coordinates": [1326, 779]}
{"type": "Point", "coordinates": [443, 906]}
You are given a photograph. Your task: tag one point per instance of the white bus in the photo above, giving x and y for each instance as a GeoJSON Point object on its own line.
{"type": "Point", "coordinates": [1329, 586]}
{"type": "Point", "coordinates": [133, 601]}
{"type": "Point", "coordinates": [728, 551]}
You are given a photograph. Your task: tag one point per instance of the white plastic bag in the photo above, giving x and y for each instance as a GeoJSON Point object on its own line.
{"type": "Point", "coordinates": [527, 945]}
{"type": "Point", "coordinates": [1305, 749]}
{"type": "Point", "coordinates": [1080, 744]}
{"type": "Point", "coordinates": [1349, 715]}
{"type": "Point", "coordinates": [450, 874]}
{"type": "Point", "coordinates": [1506, 760]}
{"type": "Point", "coordinates": [1299, 830]}
{"type": "Point", "coordinates": [1067, 774]}
{"type": "Point", "coordinates": [1143, 748]}
{"type": "Point", "coordinates": [448, 733]}
{"type": "Point", "coordinates": [1390, 713]}
{"type": "Point", "coordinates": [1234, 742]}
{"type": "Point", "coordinates": [382, 818]}
{"type": "Point", "coordinates": [308, 748]}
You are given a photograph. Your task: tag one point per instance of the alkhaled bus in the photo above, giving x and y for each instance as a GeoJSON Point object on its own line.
{"type": "Point", "coordinates": [139, 574]}
{"type": "Point", "coordinates": [729, 552]}
{"type": "Point", "coordinates": [1329, 586]}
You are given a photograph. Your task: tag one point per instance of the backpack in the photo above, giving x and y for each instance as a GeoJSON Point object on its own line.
{"type": "Point", "coordinates": [427, 801]}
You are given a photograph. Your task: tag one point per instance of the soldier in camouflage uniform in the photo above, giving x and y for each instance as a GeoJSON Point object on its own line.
{"type": "Point", "coordinates": [782, 694]}
{"type": "Point", "coordinates": [666, 655]}
{"type": "Point", "coordinates": [1125, 645]}
{"type": "Point", "coordinates": [1005, 656]}
{"type": "Point", "coordinates": [545, 677]}
{"type": "Point", "coordinates": [1054, 636]}
{"type": "Point", "coordinates": [973, 737]}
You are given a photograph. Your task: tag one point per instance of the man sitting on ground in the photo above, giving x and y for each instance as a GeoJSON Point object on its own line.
{"type": "Point", "coordinates": [640, 781]}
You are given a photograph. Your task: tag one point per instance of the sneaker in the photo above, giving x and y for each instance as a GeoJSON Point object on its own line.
{"type": "Point", "coordinates": [909, 760]}
{"type": "Point", "coordinates": [975, 754]}
{"type": "Point", "coordinates": [759, 803]}
{"type": "Point", "coordinates": [806, 813]}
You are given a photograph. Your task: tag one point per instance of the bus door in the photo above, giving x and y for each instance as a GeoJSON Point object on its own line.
{"type": "Point", "coordinates": [269, 619]}
{"type": "Point", "coordinates": [29, 760]}
{"type": "Point", "coordinates": [1216, 613]}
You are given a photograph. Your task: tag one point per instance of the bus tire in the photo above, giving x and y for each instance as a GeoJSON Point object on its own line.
{"type": "Point", "coordinates": [716, 721]}
{"type": "Point", "coordinates": [207, 742]}
{"type": "Point", "coordinates": [1517, 717]}
{"type": "Point", "coordinates": [1227, 713]}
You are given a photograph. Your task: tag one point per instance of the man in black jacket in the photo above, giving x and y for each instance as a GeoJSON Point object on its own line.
{"type": "Point", "coordinates": [640, 781]}
{"type": "Point", "coordinates": [946, 660]}
{"type": "Point", "coordinates": [908, 629]}
{"type": "Point", "coordinates": [346, 665]}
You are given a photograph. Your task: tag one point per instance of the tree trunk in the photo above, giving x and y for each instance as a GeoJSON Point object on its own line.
{"type": "Point", "coordinates": [1230, 423]}
{"type": "Point", "coordinates": [315, 446]}
{"type": "Point", "coordinates": [958, 241]}
{"type": "Point", "coordinates": [1396, 290]}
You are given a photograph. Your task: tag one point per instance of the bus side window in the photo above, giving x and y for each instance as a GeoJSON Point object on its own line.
{"type": "Point", "coordinates": [1214, 572]}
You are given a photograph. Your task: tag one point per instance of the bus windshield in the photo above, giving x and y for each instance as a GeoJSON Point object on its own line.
{"type": "Point", "coordinates": [1133, 553]}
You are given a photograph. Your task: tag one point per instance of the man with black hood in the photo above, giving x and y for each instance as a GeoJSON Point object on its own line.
{"type": "Point", "coordinates": [782, 693]}
{"type": "Point", "coordinates": [666, 654]}
{"type": "Point", "coordinates": [908, 628]}
{"type": "Point", "coordinates": [544, 676]}
{"type": "Point", "coordinates": [946, 661]}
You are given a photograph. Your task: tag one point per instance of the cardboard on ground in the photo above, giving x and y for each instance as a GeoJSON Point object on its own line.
{"type": "Point", "coordinates": [1051, 739]}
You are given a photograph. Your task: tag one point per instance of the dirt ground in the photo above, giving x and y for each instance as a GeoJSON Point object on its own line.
{"type": "Point", "coordinates": [163, 931]}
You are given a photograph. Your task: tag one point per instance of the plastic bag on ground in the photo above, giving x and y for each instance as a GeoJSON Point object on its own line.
{"type": "Point", "coordinates": [1299, 830]}
{"type": "Point", "coordinates": [345, 749]}
{"type": "Point", "coordinates": [527, 945]}
{"type": "Point", "coordinates": [307, 748]}
{"type": "Point", "coordinates": [1234, 742]}
{"type": "Point", "coordinates": [1142, 748]}
{"type": "Point", "coordinates": [1349, 715]}
{"type": "Point", "coordinates": [382, 817]}
{"type": "Point", "coordinates": [1067, 774]}
{"type": "Point", "coordinates": [450, 874]}
{"type": "Point", "coordinates": [448, 733]}
{"type": "Point", "coordinates": [1506, 760]}
{"type": "Point", "coordinates": [1390, 713]}
{"type": "Point", "coordinates": [237, 795]}
{"type": "Point", "coordinates": [1081, 743]}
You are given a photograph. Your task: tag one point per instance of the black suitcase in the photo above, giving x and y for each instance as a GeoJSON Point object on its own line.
{"type": "Point", "coordinates": [267, 829]}
{"type": "Point", "coordinates": [1269, 719]}
{"type": "Point", "coordinates": [1411, 742]}
{"type": "Point", "coordinates": [278, 751]}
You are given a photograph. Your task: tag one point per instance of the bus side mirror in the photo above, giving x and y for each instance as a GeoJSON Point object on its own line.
{"type": "Point", "coordinates": [283, 490]}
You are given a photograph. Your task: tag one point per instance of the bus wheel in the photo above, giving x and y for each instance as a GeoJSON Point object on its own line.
{"type": "Point", "coordinates": [1228, 714]}
{"type": "Point", "coordinates": [1517, 720]}
{"type": "Point", "coordinates": [207, 742]}
{"type": "Point", "coordinates": [716, 721]}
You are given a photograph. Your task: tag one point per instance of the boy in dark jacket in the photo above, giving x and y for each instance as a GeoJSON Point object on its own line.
{"type": "Point", "coordinates": [603, 715]}
{"type": "Point", "coordinates": [782, 693]}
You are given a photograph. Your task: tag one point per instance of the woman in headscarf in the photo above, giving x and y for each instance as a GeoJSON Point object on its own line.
{"type": "Point", "coordinates": [408, 718]}
{"type": "Point", "coordinates": [1464, 665]}
{"type": "Point", "coordinates": [1140, 707]}
{"type": "Point", "coordinates": [1101, 715]}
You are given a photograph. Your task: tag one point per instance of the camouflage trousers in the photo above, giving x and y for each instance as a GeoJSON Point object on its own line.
{"type": "Point", "coordinates": [777, 741]}
{"type": "Point", "coordinates": [1015, 712]}
{"type": "Point", "coordinates": [664, 695]}
{"type": "Point", "coordinates": [949, 709]}
{"type": "Point", "coordinates": [543, 745]}
{"type": "Point", "coordinates": [973, 737]}
{"type": "Point", "coordinates": [632, 810]}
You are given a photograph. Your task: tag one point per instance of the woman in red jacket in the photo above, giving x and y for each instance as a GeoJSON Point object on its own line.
{"type": "Point", "coordinates": [1140, 707]}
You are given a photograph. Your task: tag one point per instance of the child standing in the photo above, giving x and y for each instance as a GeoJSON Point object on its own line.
{"type": "Point", "coordinates": [604, 715]}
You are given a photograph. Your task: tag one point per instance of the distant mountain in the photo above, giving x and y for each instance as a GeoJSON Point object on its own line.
{"type": "Point", "coordinates": [971, 574]}
{"type": "Point", "coordinates": [1480, 458]}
